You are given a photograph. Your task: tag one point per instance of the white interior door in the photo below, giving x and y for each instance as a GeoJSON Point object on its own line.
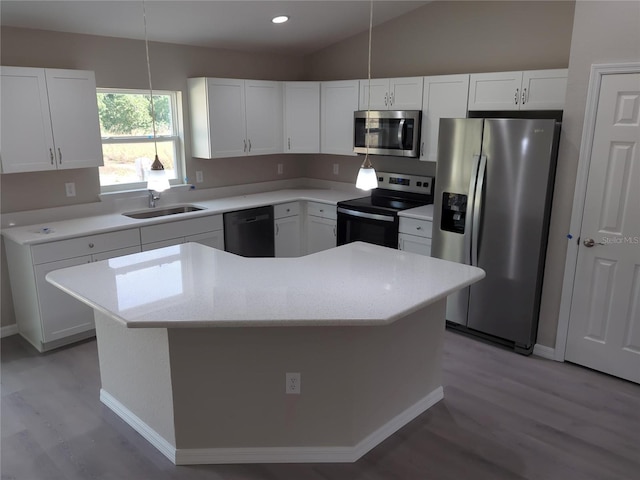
{"type": "Point", "coordinates": [604, 326]}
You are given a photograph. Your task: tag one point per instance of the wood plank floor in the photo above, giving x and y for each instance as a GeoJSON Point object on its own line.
{"type": "Point", "coordinates": [504, 416]}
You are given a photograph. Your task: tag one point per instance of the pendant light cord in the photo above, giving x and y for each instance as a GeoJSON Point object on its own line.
{"type": "Point", "coordinates": [146, 45]}
{"type": "Point", "coordinates": [367, 162]}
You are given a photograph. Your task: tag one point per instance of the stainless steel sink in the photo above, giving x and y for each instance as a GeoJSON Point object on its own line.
{"type": "Point", "coordinates": [161, 212]}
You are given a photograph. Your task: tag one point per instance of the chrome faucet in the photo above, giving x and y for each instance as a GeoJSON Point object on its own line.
{"type": "Point", "coordinates": [153, 196]}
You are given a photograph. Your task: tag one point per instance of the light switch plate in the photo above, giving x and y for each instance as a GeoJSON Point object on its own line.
{"type": "Point", "coordinates": [199, 177]}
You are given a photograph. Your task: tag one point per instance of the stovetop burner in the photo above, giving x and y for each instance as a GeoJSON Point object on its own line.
{"type": "Point", "coordinates": [396, 192]}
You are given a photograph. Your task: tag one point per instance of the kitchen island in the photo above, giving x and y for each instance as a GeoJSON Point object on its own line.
{"type": "Point", "coordinates": [195, 345]}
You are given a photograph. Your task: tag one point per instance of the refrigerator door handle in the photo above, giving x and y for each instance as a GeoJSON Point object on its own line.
{"type": "Point", "coordinates": [470, 206]}
{"type": "Point", "coordinates": [477, 210]}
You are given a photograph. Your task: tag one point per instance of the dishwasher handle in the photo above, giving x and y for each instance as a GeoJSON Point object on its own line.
{"type": "Point", "coordinates": [257, 218]}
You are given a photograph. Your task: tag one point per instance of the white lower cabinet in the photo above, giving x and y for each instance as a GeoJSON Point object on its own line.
{"type": "Point", "coordinates": [46, 316]}
{"type": "Point", "coordinates": [205, 230]}
{"type": "Point", "coordinates": [287, 229]}
{"type": "Point", "coordinates": [415, 236]}
{"type": "Point", "coordinates": [321, 227]}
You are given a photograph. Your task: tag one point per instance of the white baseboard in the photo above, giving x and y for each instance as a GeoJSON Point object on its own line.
{"type": "Point", "coordinates": [153, 437]}
{"type": "Point", "coordinates": [196, 456]}
{"type": "Point", "coordinates": [544, 351]}
{"type": "Point", "coordinates": [8, 330]}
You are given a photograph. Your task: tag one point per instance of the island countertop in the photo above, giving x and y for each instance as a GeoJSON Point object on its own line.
{"type": "Point", "coordinates": [191, 285]}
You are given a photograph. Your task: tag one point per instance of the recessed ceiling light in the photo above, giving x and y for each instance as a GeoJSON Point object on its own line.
{"type": "Point", "coordinates": [280, 19]}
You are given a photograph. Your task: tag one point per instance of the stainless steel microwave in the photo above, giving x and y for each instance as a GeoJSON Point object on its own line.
{"type": "Point", "coordinates": [390, 132]}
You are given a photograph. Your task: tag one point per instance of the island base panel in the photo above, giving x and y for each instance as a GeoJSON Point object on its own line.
{"type": "Point", "coordinates": [358, 386]}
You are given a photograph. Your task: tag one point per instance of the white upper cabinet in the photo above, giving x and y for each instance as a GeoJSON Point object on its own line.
{"type": "Point", "coordinates": [233, 118]}
{"type": "Point", "coordinates": [403, 93]}
{"type": "Point", "coordinates": [528, 90]}
{"type": "Point", "coordinates": [264, 117]}
{"type": "Point", "coordinates": [49, 120]}
{"type": "Point", "coordinates": [338, 101]}
{"type": "Point", "coordinates": [543, 89]}
{"type": "Point", "coordinates": [444, 96]}
{"type": "Point", "coordinates": [302, 117]}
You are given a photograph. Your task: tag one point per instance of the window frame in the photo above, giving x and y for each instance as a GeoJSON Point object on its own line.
{"type": "Point", "coordinates": [177, 139]}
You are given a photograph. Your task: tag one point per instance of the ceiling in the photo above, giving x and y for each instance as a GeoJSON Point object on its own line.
{"type": "Point", "coordinates": [236, 25]}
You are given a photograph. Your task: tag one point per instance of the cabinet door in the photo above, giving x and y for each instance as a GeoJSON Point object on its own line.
{"type": "Point", "coordinates": [162, 243]}
{"type": "Point", "coordinates": [74, 118]}
{"type": "Point", "coordinates": [321, 234]}
{"type": "Point", "coordinates": [495, 91]}
{"type": "Point", "coordinates": [445, 96]}
{"type": "Point", "coordinates": [115, 253]}
{"type": "Point", "coordinates": [338, 102]}
{"type": "Point", "coordinates": [287, 236]}
{"type": "Point", "coordinates": [302, 117]}
{"type": "Point", "coordinates": [210, 239]}
{"type": "Point", "coordinates": [414, 244]}
{"type": "Point", "coordinates": [379, 94]}
{"type": "Point", "coordinates": [60, 313]}
{"type": "Point", "coordinates": [227, 125]}
{"type": "Point", "coordinates": [26, 136]}
{"type": "Point", "coordinates": [264, 117]}
{"type": "Point", "coordinates": [543, 89]}
{"type": "Point", "coordinates": [405, 93]}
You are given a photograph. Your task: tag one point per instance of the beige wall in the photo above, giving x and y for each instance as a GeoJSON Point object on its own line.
{"type": "Point", "coordinates": [120, 63]}
{"type": "Point", "coordinates": [603, 32]}
{"type": "Point", "coordinates": [455, 37]}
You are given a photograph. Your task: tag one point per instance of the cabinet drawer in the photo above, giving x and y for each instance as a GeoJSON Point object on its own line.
{"type": "Point", "coordinates": [286, 209]}
{"type": "Point", "coordinates": [92, 244]}
{"type": "Point", "coordinates": [412, 226]}
{"type": "Point", "coordinates": [321, 210]}
{"type": "Point", "coordinates": [182, 228]}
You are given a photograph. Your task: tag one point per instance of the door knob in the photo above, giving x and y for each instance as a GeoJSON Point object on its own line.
{"type": "Point", "coordinates": [590, 242]}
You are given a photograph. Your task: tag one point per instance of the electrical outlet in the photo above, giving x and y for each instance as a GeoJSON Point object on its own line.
{"type": "Point", "coordinates": [336, 168]}
{"type": "Point", "coordinates": [280, 168]}
{"type": "Point", "coordinates": [70, 188]}
{"type": "Point", "coordinates": [292, 386]}
{"type": "Point", "coordinates": [199, 178]}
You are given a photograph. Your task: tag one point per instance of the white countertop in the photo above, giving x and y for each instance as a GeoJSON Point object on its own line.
{"type": "Point", "coordinates": [192, 285]}
{"type": "Point", "coordinates": [61, 230]}
{"type": "Point", "coordinates": [420, 213]}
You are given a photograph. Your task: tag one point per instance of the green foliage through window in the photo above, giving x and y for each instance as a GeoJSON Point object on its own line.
{"type": "Point", "coordinates": [129, 114]}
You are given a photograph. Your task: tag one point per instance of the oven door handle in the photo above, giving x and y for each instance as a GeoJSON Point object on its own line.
{"type": "Point", "coordinates": [371, 216]}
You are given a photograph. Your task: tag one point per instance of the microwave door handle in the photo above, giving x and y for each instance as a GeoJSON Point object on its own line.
{"type": "Point", "coordinates": [401, 133]}
{"type": "Point", "coordinates": [477, 210]}
{"type": "Point", "coordinates": [468, 237]}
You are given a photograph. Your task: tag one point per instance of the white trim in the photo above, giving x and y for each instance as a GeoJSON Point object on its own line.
{"type": "Point", "coordinates": [198, 456]}
{"type": "Point", "coordinates": [544, 351]}
{"type": "Point", "coordinates": [9, 330]}
{"type": "Point", "coordinates": [153, 437]}
{"type": "Point", "coordinates": [584, 161]}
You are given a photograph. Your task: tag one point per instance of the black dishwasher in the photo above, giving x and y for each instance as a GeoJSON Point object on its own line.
{"type": "Point", "coordinates": [249, 233]}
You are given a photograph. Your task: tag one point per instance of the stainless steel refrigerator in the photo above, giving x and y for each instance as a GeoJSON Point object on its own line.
{"type": "Point", "coordinates": [494, 185]}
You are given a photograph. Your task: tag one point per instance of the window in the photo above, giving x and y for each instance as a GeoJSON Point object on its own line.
{"type": "Point", "coordinates": [127, 137]}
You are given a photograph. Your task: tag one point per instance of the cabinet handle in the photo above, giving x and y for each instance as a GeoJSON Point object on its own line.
{"type": "Point", "coordinates": [51, 155]}
{"type": "Point", "coordinates": [321, 210]}
{"type": "Point", "coordinates": [60, 155]}
{"type": "Point", "coordinates": [418, 228]}
{"type": "Point", "coordinates": [422, 149]}
{"type": "Point", "coordinates": [288, 210]}
{"type": "Point", "coordinates": [249, 145]}
{"type": "Point", "coordinates": [277, 229]}
{"type": "Point", "coordinates": [517, 95]}
{"type": "Point", "coordinates": [245, 146]}
{"type": "Point", "coordinates": [385, 99]}
{"type": "Point", "coordinates": [524, 95]}
{"type": "Point", "coordinates": [392, 99]}
{"type": "Point", "coordinates": [334, 231]}
{"type": "Point", "coordinates": [91, 245]}
{"type": "Point", "coordinates": [289, 143]}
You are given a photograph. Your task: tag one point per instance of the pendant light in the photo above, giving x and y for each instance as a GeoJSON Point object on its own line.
{"type": "Point", "coordinates": [157, 179]}
{"type": "Point", "coordinates": [367, 178]}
